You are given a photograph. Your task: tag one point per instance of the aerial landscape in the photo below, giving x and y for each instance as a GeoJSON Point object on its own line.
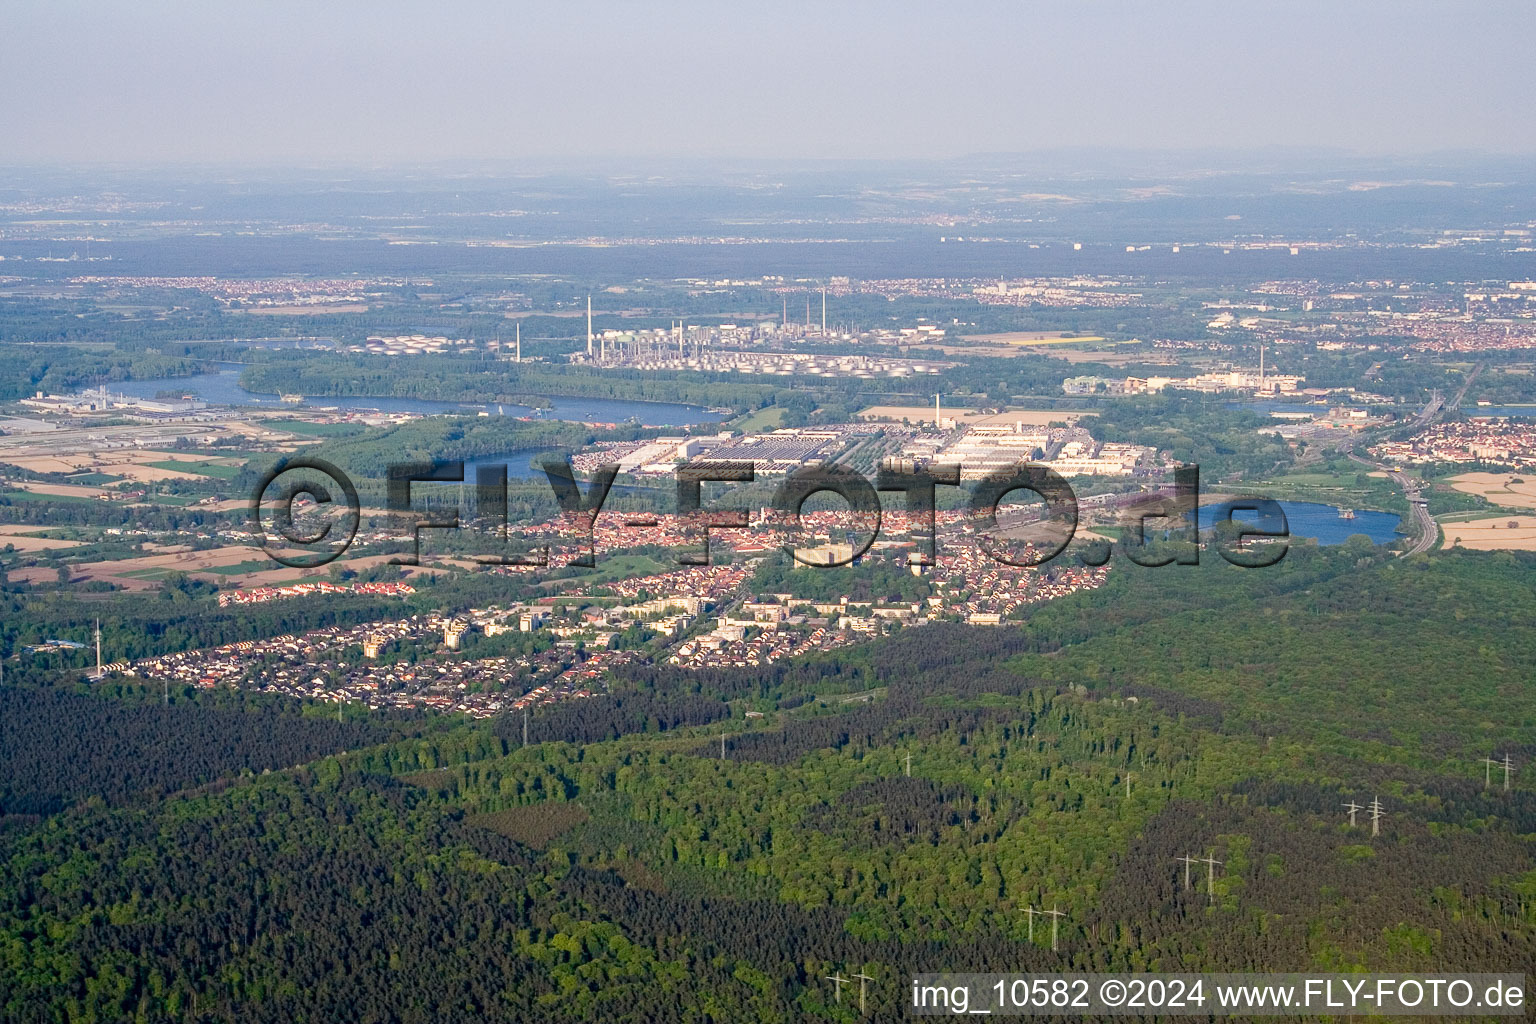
{"type": "Point", "coordinates": [741, 580]}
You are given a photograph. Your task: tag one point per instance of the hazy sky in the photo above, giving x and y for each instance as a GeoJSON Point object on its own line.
{"type": "Point", "coordinates": [390, 82]}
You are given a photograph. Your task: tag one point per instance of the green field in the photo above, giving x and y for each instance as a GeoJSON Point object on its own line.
{"type": "Point", "coordinates": [767, 418]}
{"type": "Point", "coordinates": [216, 470]}
{"type": "Point", "coordinates": [1465, 517]}
{"type": "Point", "coordinates": [252, 565]}
{"type": "Point", "coordinates": [49, 498]}
{"type": "Point", "coordinates": [612, 568]}
{"type": "Point", "coordinates": [1347, 484]}
{"type": "Point", "coordinates": [146, 574]}
{"type": "Point", "coordinates": [318, 429]}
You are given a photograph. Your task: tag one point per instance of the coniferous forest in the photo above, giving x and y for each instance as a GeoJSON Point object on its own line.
{"type": "Point", "coordinates": [656, 855]}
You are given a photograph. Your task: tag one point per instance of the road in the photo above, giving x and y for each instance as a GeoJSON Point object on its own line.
{"type": "Point", "coordinates": [1456, 402]}
{"type": "Point", "coordinates": [1427, 530]}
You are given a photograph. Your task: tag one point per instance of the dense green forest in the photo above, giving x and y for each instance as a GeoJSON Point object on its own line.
{"type": "Point", "coordinates": [462, 379]}
{"type": "Point", "coordinates": [25, 370]}
{"type": "Point", "coordinates": [58, 746]}
{"type": "Point", "coordinates": [623, 867]}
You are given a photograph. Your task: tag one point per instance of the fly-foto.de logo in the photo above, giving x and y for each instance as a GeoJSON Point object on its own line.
{"type": "Point", "coordinates": [306, 513]}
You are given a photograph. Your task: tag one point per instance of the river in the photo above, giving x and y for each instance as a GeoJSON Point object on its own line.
{"type": "Point", "coordinates": [222, 387]}
{"type": "Point", "coordinates": [1525, 411]}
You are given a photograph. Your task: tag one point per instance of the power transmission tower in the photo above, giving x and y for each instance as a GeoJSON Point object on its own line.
{"type": "Point", "coordinates": [909, 766]}
{"type": "Point", "coordinates": [1210, 863]}
{"type": "Point", "coordinates": [722, 744]}
{"type": "Point", "coordinates": [1128, 784]}
{"type": "Point", "coordinates": [1509, 766]}
{"type": "Point", "coordinates": [1031, 911]}
{"type": "Point", "coordinates": [838, 981]}
{"type": "Point", "coordinates": [1488, 764]}
{"type": "Point", "coordinates": [525, 727]}
{"type": "Point", "coordinates": [862, 979]}
{"type": "Point", "coordinates": [1353, 808]}
{"type": "Point", "coordinates": [1188, 860]}
{"type": "Point", "coordinates": [1376, 815]}
{"type": "Point", "coordinates": [1056, 916]}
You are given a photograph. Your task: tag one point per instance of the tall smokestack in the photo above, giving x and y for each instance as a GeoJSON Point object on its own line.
{"type": "Point", "coordinates": [519, 341]}
{"type": "Point", "coordinates": [589, 327]}
{"type": "Point", "coordinates": [935, 412]}
{"type": "Point", "coordinates": [823, 311]}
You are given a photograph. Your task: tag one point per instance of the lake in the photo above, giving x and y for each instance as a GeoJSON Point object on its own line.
{"type": "Point", "coordinates": [1318, 522]}
{"type": "Point", "coordinates": [222, 387]}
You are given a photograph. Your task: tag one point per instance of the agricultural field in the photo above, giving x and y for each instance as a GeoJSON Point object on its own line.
{"type": "Point", "coordinates": [1492, 533]}
{"type": "Point", "coordinates": [1511, 490]}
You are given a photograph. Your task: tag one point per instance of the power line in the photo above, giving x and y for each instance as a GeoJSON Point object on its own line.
{"type": "Point", "coordinates": [1188, 860]}
{"type": "Point", "coordinates": [862, 979]}
{"type": "Point", "coordinates": [1210, 863]}
{"type": "Point", "coordinates": [1056, 916]}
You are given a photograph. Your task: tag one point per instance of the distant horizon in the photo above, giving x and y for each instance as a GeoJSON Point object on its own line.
{"type": "Point", "coordinates": [284, 83]}
{"type": "Point", "coordinates": [1111, 160]}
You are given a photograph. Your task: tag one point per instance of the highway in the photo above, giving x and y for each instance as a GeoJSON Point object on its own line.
{"type": "Point", "coordinates": [1456, 402]}
{"type": "Point", "coordinates": [1426, 530]}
